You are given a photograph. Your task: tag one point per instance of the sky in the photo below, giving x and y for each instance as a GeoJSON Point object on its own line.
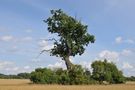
{"type": "Point", "coordinates": [22, 33]}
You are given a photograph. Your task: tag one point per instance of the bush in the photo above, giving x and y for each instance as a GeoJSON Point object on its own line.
{"type": "Point", "coordinates": [24, 75]}
{"type": "Point", "coordinates": [63, 77]}
{"type": "Point", "coordinates": [131, 78]}
{"type": "Point", "coordinates": [76, 76]}
{"type": "Point", "coordinates": [43, 76]}
{"type": "Point", "coordinates": [103, 72]}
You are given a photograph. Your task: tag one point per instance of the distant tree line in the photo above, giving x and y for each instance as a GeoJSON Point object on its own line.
{"type": "Point", "coordinates": [131, 78]}
{"type": "Point", "coordinates": [18, 76]}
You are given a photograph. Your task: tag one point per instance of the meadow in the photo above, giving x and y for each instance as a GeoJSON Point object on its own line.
{"type": "Point", "coordinates": [25, 84]}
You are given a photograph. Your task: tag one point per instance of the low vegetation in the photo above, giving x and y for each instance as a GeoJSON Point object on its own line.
{"type": "Point", "coordinates": [18, 76]}
{"type": "Point", "coordinates": [103, 71]}
{"type": "Point", "coordinates": [131, 78]}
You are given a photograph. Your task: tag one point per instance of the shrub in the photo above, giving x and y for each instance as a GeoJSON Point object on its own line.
{"type": "Point", "coordinates": [44, 76]}
{"type": "Point", "coordinates": [103, 72]}
{"type": "Point", "coordinates": [76, 75]}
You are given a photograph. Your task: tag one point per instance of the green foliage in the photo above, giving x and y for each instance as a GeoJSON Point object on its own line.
{"type": "Point", "coordinates": [63, 77]}
{"type": "Point", "coordinates": [75, 76]}
{"type": "Point", "coordinates": [73, 36]}
{"type": "Point", "coordinates": [105, 71]}
{"type": "Point", "coordinates": [2, 76]}
{"type": "Point", "coordinates": [24, 75]}
{"type": "Point", "coordinates": [44, 76]}
{"type": "Point", "coordinates": [18, 76]}
{"type": "Point", "coordinates": [131, 78]}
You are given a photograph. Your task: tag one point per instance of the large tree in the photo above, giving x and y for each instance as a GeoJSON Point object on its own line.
{"type": "Point", "coordinates": [73, 36]}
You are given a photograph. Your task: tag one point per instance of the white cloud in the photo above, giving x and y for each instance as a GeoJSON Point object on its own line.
{"type": "Point", "coordinates": [109, 55]}
{"type": "Point", "coordinates": [58, 64]}
{"type": "Point", "coordinates": [126, 52]}
{"type": "Point", "coordinates": [26, 39]}
{"type": "Point", "coordinates": [26, 67]}
{"type": "Point", "coordinates": [6, 38]}
{"type": "Point", "coordinates": [11, 44]}
{"type": "Point", "coordinates": [122, 59]}
{"type": "Point", "coordinates": [113, 55]}
{"type": "Point", "coordinates": [16, 69]}
{"type": "Point", "coordinates": [47, 47]}
{"type": "Point", "coordinates": [120, 40]}
{"type": "Point", "coordinates": [13, 49]}
{"type": "Point", "coordinates": [86, 65]}
{"type": "Point", "coordinates": [7, 67]}
{"type": "Point", "coordinates": [36, 60]}
{"type": "Point", "coordinates": [4, 64]}
{"type": "Point", "coordinates": [44, 45]}
{"type": "Point", "coordinates": [126, 65]}
{"type": "Point", "coordinates": [12, 69]}
{"type": "Point", "coordinates": [9, 38]}
{"type": "Point", "coordinates": [129, 41]}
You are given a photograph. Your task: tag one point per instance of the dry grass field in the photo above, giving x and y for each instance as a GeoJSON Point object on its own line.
{"type": "Point", "coordinates": [16, 84]}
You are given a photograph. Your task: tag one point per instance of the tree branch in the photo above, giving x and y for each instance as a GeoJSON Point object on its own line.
{"type": "Point", "coordinates": [53, 39]}
{"type": "Point", "coordinates": [43, 52]}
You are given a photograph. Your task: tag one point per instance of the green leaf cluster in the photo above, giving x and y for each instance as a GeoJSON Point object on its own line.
{"type": "Point", "coordinates": [73, 35]}
{"type": "Point", "coordinates": [105, 71]}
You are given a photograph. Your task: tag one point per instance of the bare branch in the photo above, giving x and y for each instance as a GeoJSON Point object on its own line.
{"type": "Point", "coordinates": [43, 52]}
{"type": "Point", "coordinates": [53, 39]}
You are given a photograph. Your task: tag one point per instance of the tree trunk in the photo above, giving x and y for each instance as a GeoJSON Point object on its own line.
{"type": "Point", "coordinates": [68, 63]}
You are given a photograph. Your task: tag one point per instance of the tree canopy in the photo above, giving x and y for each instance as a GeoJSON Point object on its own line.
{"type": "Point", "coordinates": [73, 36]}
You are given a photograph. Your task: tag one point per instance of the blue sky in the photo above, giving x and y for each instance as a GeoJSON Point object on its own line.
{"type": "Point", "coordinates": [22, 31]}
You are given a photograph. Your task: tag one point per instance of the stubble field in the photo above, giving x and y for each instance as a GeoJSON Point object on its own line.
{"type": "Point", "coordinates": [17, 84]}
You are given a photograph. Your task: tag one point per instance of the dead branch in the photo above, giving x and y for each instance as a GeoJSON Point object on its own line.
{"type": "Point", "coordinates": [43, 52]}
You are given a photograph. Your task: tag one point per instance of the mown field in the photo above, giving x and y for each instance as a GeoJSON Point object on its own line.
{"type": "Point", "coordinates": [17, 84]}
